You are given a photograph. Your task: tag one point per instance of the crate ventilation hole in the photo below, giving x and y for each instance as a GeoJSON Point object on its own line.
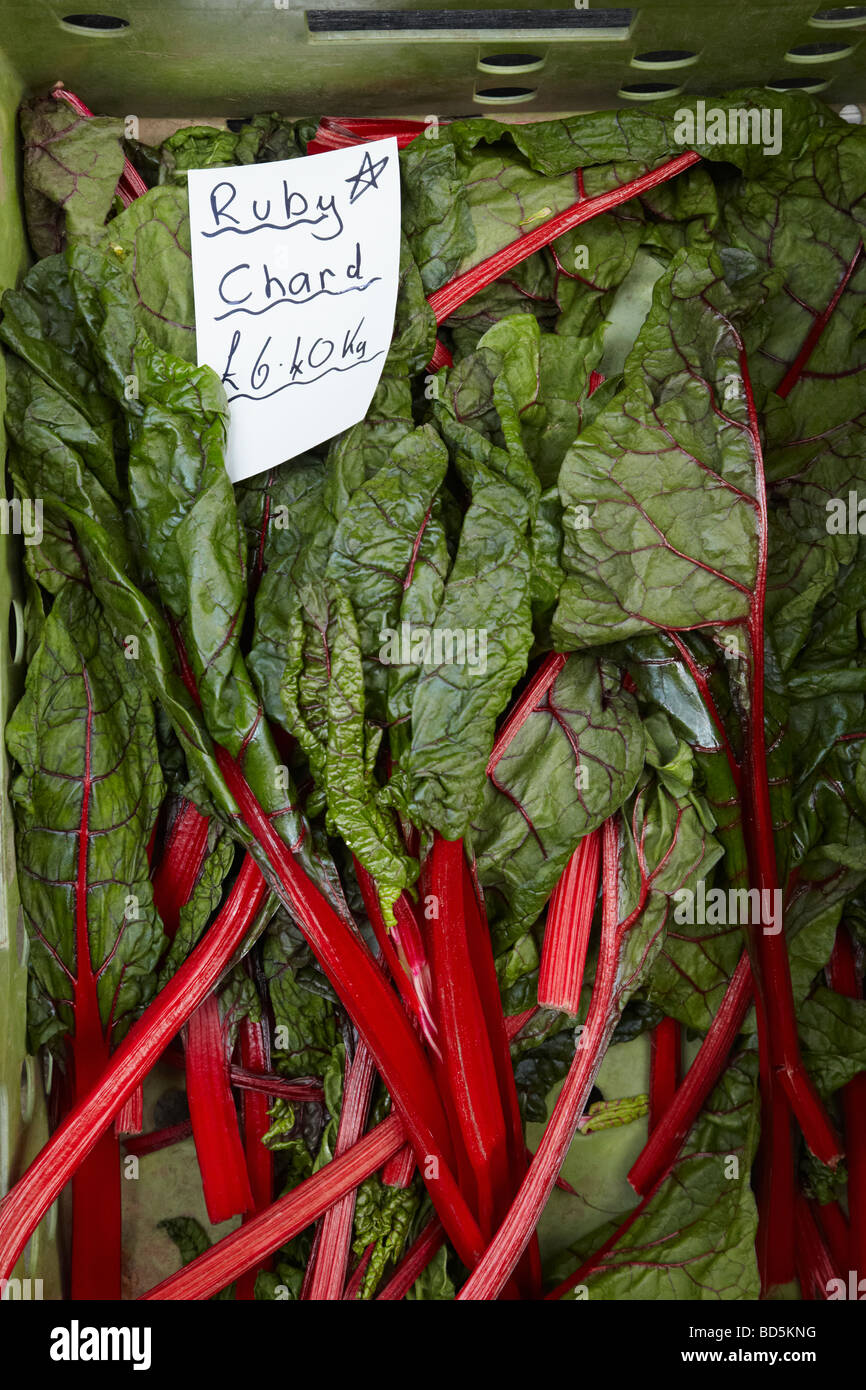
{"type": "Point", "coordinates": [818, 52]}
{"type": "Point", "coordinates": [665, 58]}
{"type": "Point", "coordinates": [506, 63]}
{"type": "Point", "coordinates": [16, 630]}
{"type": "Point", "coordinates": [839, 16]}
{"type": "Point", "coordinates": [96, 23]}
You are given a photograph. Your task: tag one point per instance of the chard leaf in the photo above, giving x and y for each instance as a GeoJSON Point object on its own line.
{"type": "Point", "coordinates": [572, 764]}
{"type": "Point", "coordinates": [430, 187]}
{"type": "Point", "coordinates": [375, 547]}
{"type": "Point", "coordinates": [435, 1284]}
{"type": "Point", "coordinates": [86, 799]}
{"type": "Point", "coordinates": [383, 1217]}
{"type": "Point", "coordinates": [185, 510]}
{"type": "Point", "coordinates": [72, 165]}
{"type": "Point", "coordinates": [42, 328]}
{"type": "Point", "coordinates": [208, 147]}
{"type": "Point", "coordinates": [150, 242]}
{"type": "Point", "coordinates": [479, 646]}
{"type": "Point", "coordinates": [361, 451]}
{"type": "Point", "coordinates": [292, 613]}
{"type": "Point", "coordinates": [695, 1238]}
{"type": "Point", "coordinates": [202, 902]}
{"type": "Point", "coordinates": [673, 544]}
{"type": "Point", "coordinates": [832, 1032]}
{"type": "Point", "coordinates": [305, 1021]}
{"type": "Point", "coordinates": [192, 1240]}
{"type": "Point", "coordinates": [369, 830]}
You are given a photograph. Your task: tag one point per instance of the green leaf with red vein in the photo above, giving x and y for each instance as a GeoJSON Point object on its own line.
{"type": "Point", "coordinates": [72, 165]}
{"type": "Point", "coordinates": [375, 549]}
{"type": "Point", "coordinates": [150, 242]}
{"type": "Point", "coordinates": [667, 474]}
{"type": "Point", "coordinates": [695, 1236]}
{"type": "Point", "coordinates": [572, 764]}
{"type": "Point", "coordinates": [85, 800]}
{"type": "Point", "coordinates": [486, 603]}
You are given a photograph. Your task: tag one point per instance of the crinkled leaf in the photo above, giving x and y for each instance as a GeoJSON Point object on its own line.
{"type": "Point", "coordinates": [72, 165]}
{"type": "Point", "coordinates": [572, 764]}
{"type": "Point", "coordinates": [667, 475]}
{"type": "Point", "coordinates": [86, 799]}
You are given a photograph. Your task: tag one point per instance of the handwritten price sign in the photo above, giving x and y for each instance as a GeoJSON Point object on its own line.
{"type": "Point", "coordinates": [295, 268]}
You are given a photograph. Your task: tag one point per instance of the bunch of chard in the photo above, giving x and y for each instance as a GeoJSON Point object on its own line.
{"type": "Point", "coordinates": [482, 793]}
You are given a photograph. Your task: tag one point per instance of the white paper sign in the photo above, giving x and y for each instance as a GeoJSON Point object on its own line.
{"type": "Point", "coordinates": [295, 268]}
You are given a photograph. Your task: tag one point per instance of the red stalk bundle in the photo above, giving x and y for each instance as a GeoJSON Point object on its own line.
{"type": "Point", "coordinates": [96, 1214]}
{"type": "Point", "coordinates": [461, 1029]}
{"type": "Point", "coordinates": [566, 933]}
{"type": "Point", "coordinates": [331, 1256]}
{"type": "Point", "coordinates": [268, 1230]}
{"type": "Point", "coordinates": [664, 1069]}
{"type": "Point", "coordinates": [255, 1056]}
{"type": "Point", "coordinates": [27, 1202]}
{"type": "Point", "coordinates": [214, 1119]}
{"type": "Point", "coordinates": [489, 1276]}
{"type": "Point", "coordinates": [815, 1267]}
{"type": "Point", "coordinates": [143, 1144]}
{"type": "Point", "coordinates": [376, 1012]}
{"type": "Point", "coordinates": [181, 864]}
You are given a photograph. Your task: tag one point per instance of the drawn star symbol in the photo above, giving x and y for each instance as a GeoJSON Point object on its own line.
{"type": "Point", "coordinates": [366, 176]}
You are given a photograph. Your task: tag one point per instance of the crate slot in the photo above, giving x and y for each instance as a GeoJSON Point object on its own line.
{"type": "Point", "coordinates": [839, 16]}
{"type": "Point", "coordinates": [16, 631]}
{"type": "Point", "coordinates": [588, 24]}
{"type": "Point", "coordinates": [797, 84]}
{"type": "Point", "coordinates": [95, 23]}
{"type": "Point", "coordinates": [511, 62]}
{"type": "Point", "coordinates": [648, 91]}
{"type": "Point", "coordinates": [665, 58]}
{"type": "Point", "coordinates": [818, 52]}
{"type": "Point", "coordinates": [504, 96]}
